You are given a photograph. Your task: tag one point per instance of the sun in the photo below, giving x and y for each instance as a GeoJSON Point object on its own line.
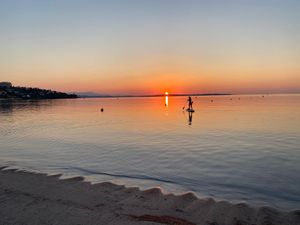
{"type": "Point", "coordinates": [166, 93]}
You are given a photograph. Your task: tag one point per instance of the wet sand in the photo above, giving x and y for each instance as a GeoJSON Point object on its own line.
{"type": "Point", "coordinates": [38, 199]}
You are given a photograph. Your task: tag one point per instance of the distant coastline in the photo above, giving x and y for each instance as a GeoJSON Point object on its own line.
{"type": "Point", "coordinates": [146, 96]}
{"type": "Point", "coordinates": [8, 91]}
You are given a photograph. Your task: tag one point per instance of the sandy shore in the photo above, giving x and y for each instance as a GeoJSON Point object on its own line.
{"type": "Point", "coordinates": [38, 199]}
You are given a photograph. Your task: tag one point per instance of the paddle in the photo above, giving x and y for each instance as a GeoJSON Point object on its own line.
{"type": "Point", "coordinates": [184, 106]}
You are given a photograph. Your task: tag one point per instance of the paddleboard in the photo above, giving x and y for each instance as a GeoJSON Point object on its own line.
{"type": "Point", "coordinates": [190, 110]}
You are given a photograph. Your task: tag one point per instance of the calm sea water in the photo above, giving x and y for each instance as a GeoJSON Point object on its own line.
{"type": "Point", "coordinates": [244, 150]}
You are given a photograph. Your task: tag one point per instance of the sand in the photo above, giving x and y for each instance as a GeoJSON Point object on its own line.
{"type": "Point", "coordinates": [38, 199]}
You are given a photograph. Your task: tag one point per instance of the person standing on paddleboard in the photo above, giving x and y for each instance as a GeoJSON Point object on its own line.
{"type": "Point", "coordinates": [190, 103]}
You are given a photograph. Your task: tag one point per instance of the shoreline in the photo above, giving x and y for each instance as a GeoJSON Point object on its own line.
{"type": "Point", "coordinates": [37, 198]}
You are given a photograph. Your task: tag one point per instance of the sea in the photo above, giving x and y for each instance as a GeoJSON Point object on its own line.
{"type": "Point", "coordinates": [238, 148]}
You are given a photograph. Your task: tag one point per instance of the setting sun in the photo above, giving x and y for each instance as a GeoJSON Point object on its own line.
{"type": "Point", "coordinates": [166, 93]}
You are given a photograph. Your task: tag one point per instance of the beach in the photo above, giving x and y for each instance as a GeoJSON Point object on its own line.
{"type": "Point", "coordinates": [32, 198]}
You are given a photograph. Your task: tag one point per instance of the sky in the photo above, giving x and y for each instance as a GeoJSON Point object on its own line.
{"type": "Point", "coordinates": [151, 46]}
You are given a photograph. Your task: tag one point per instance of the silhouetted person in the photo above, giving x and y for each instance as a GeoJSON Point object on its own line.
{"type": "Point", "coordinates": [102, 109]}
{"type": "Point", "coordinates": [190, 103]}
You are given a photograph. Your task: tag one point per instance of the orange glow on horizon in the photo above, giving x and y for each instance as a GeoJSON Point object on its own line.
{"type": "Point", "coordinates": [177, 83]}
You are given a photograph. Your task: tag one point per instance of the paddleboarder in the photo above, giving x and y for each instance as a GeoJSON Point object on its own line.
{"type": "Point", "coordinates": [189, 100]}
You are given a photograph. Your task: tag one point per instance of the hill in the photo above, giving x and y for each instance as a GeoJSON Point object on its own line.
{"type": "Point", "coordinates": [9, 91]}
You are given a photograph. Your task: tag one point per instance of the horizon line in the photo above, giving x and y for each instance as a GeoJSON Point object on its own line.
{"type": "Point", "coordinates": [177, 95]}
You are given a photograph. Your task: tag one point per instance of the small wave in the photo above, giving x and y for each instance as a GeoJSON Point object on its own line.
{"type": "Point", "coordinates": [137, 177]}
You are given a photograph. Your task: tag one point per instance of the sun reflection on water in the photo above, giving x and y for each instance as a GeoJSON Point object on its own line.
{"type": "Point", "coordinates": [166, 101]}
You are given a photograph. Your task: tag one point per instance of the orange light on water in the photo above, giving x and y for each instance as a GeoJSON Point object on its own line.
{"type": "Point", "coordinates": [166, 99]}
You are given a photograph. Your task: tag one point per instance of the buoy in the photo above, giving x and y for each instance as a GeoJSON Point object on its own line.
{"type": "Point", "coordinates": [102, 109]}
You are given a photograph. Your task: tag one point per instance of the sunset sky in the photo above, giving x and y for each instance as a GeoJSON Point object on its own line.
{"type": "Point", "coordinates": [151, 46]}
